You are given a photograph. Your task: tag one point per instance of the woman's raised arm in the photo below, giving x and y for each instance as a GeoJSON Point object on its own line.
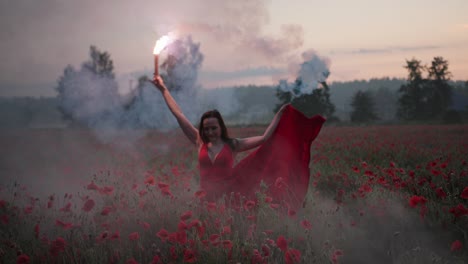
{"type": "Point", "coordinates": [244, 144]}
{"type": "Point", "coordinates": [189, 130]}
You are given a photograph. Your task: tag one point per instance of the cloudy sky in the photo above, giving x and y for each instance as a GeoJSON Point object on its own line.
{"type": "Point", "coordinates": [243, 41]}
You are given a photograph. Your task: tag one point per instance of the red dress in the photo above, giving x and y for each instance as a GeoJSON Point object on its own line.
{"type": "Point", "coordinates": [282, 163]}
{"type": "Point", "coordinates": [215, 176]}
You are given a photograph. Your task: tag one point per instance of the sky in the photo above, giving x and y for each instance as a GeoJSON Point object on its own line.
{"type": "Point", "coordinates": [243, 41]}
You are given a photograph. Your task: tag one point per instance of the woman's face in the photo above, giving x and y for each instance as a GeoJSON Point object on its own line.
{"type": "Point", "coordinates": [212, 129]}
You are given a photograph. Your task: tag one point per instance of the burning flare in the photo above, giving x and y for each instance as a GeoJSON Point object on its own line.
{"type": "Point", "coordinates": [161, 44]}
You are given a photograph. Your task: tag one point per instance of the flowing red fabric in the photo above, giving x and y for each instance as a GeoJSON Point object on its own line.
{"type": "Point", "coordinates": [282, 162]}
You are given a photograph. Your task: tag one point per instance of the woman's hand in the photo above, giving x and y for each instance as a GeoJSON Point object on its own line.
{"type": "Point", "coordinates": [159, 83]}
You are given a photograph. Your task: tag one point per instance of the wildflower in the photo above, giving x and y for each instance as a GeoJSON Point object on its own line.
{"type": "Point", "coordinates": [107, 190]}
{"type": "Point", "coordinates": [459, 210]}
{"type": "Point", "coordinates": [62, 224]}
{"type": "Point", "coordinates": [88, 206]}
{"type": "Point", "coordinates": [292, 256]}
{"type": "Point", "coordinates": [189, 256]}
{"type": "Point", "coordinates": [131, 261]}
{"type": "Point", "coordinates": [181, 237]}
{"type": "Point", "coordinates": [306, 225]}
{"type": "Point", "coordinates": [200, 194]}
{"type": "Point", "coordinates": [440, 193]}
{"type": "Point", "coordinates": [150, 180]}
{"type": "Point", "coordinates": [115, 235]}
{"type": "Point", "coordinates": [92, 186]}
{"type": "Point", "coordinates": [291, 213]}
{"type": "Point", "coordinates": [336, 255]}
{"type": "Point", "coordinates": [66, 208]}
{"type": "Point", "coordinates": [415, 200]}
{"type": "Point", "coordinates": [57, 246]}
{"type": "Point", "coordinates": [266, 250]}
{"type": "Point", "coordinates": [282, 243]}
{"type": "Point", "coordinates": [134, 236]}
{"type": "Point", "coordinates": [22, 259]}
{"type": "Point", "coordinates": [227, 244]}
{"type": "Point", "coordinates": [185, 216]}
{"type": "Point", "coordinates": [456, 245]}
{"type": "Point", "coordinates": [256, 257]}
{"type": "Point", "coordinates": [163, 234]}
{"type": "Point", "coordinates": [464, 193]}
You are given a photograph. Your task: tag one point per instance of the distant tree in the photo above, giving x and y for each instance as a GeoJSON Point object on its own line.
{"type": "Point", "coordinates": [425, 98]}
{"type": "Point", "coordinates": [363, 108]}
{"type": "Point", "coordinates": [438, 88]}
{"type": "Point", "coordinates": [89, 96]}
{"type": "Point", "coordinates": [413, 97]}
{"type": "Point", "coordinates": [100, 64]}
{"type": "Point", "coordinates": [316, 102]}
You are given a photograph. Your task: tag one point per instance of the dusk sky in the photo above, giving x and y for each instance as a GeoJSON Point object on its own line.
{"type": "Point", "coordinates": [243, 42]}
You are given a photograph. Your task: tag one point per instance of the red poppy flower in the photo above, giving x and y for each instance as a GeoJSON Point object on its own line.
{"type": "Point", "coordinates": [185, 216]}
{"type": "Point", "coordinates": [440, 193]}
{"type": "Point", "coordinates": [107, 190]}
{"type": "Point", "coordinates": [156, 260]}
{"type": "Point", "coordinates": [89, 204]}
{"type": "Point", "coordinates": [200, 194]}
{"type": "Point", "coordinates": [134, 236]}
{"type": "Point", "coordinates": [150, 180]}
{"type": "Point", "coordinates": [63, 224]}
{"type": "Point", "coordinates": [57, 246]}
{"type": "Point", "coordinates": [464, 193]}
{"type": "Point", "coordinates": [415, 200]}
{"type": "Point", "coordinates": [163, 185]}
{"type": "Point", "coordinates": [189, 256]}
{"type": "Point", "coordinates": [106, 210]}
{"type": "Point", "coordinates": [115, 235]}
{"type": "Point", "coordinates": [181, 237]}
{"type": "Point", "coordinates": [227, 244]}
{"type": "Point", "coordinates": [256, 257]}
{"type": "Point", "coordinates": [66, 208]}
{"type": "Point", "coordinates": [292, 256]}
{"type": "Point", "coordinates": [282, 243]}
{"type": "Point", "coordinates": [163, 234]}
{"type": "Point", "coordinates": [266, 250]}
{"type": "Point", "coordinates": [456, 245]}
{"type": "Point", "coordinates": [306, 224]}
{"type": "Point", "coordinates": [92, 186]}
{"type": "Point", "coordinates": [22, 259]}
{"type": "Point", "coordinates": [459, 210]}
{"type": "Point", "coordinates": [249, 205]}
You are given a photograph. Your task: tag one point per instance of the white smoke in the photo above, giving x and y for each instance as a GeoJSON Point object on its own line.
{"type": "Point", "coordinates": [311, 73]}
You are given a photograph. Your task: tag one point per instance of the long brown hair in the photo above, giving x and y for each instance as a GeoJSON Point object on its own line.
{"type": "Point", "coordinates": [224, 132]}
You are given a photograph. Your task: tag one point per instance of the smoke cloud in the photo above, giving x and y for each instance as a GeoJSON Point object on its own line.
{"type": "Point", "coordinates": [313, 71]}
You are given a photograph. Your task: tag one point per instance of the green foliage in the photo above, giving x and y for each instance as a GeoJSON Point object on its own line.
{"type": "Point", "coordinates": [100, 64]}
{"type": "Point", "coordinates": [425, 98]}
{"type": "Point", "coordinates": [363, 108]}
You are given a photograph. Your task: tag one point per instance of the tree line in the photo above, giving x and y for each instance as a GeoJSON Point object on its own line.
{"type": "Point", "coordinates": [426, 94]}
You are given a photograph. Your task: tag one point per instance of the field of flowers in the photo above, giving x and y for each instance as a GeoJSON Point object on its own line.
{"type": "Point", "coordinates": [379, 194]}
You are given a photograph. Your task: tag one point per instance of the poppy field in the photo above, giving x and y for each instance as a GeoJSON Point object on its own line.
{"type": "Point", "coordinates": [377, 194]}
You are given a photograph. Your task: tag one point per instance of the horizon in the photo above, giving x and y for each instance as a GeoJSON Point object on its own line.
{"type": "Point", "coordinates": [244, 43]}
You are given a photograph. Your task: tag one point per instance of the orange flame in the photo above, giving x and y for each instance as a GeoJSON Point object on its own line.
{"type": "Point", "coordinates": [161, 44]}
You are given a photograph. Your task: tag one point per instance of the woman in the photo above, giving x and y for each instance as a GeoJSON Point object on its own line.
{"type": "Point", "coordinates": [281, 162]}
